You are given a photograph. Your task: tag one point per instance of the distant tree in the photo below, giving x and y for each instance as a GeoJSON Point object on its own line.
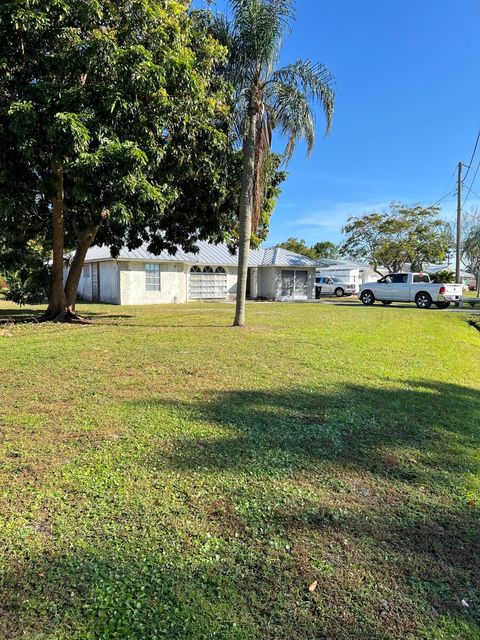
{"type": "Point", "coordinates": [319, 250]}
{"type": "Point", "coordinates": [268, 98]}
{"type": "Point", "coordinates": [414, 235]}
{"type": "Point", "coordinates": [325, 249]}
{"type": "Point", "coordinates": [297, 246]}
{"type": "Point", "coordinates": [114, 130]}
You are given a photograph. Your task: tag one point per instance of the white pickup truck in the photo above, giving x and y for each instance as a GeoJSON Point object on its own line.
{"type": "Point", "coordinates": [410, 287]}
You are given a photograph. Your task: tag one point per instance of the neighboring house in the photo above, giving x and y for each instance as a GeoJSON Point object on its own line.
{"type": "Point", "coordinates": [138, 277]}
{"type": "Point", "coordinates": [465, 278]}
{"type": "Point", "coordinates": [349, 271]}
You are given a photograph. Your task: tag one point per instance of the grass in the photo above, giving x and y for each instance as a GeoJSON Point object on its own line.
{"type": "Point", "coordinates": [163, 475]}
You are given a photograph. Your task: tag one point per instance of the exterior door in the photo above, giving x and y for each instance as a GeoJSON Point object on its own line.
{"type": "Point", "coordinates": [288, 283]}
{"type": "Point", "coordinates": [95, 281]}
{"type": "Point", "coordinates": [301, 284]}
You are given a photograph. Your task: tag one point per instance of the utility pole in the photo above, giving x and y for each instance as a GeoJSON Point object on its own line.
{"type": "Point", "coordinates": [459, 224]}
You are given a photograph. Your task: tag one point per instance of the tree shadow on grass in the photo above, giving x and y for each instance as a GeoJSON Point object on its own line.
{"type": "Point", "coordinates": [18, 315]}
{"type": "Point", "coordinates": [24, 315]}
{"type": "Point", "coordinates": [423, 435]}
{"type": "Point", "coordinates": [388, 561]}
{"type": "Point", "coordinates": [417, 432]}
{"type": "Point", "coordinates": [111, 593]}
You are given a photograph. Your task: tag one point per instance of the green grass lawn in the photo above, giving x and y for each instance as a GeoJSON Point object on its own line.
{"type": "Point", "coordinates": [163, 475]}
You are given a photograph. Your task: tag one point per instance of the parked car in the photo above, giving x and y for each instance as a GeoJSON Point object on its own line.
{"type": "Point", "coordinates": [472, 287]}
{"type": "Point", "coordinates": [410, 287]}
{"type": "Point", "coordinates": [332, 285]}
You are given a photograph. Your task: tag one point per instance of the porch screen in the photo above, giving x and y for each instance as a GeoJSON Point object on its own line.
{"type": "Point", "coordinates": [294, 284]}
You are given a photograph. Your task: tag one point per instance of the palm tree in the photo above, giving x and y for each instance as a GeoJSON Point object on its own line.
{"type": "Point", "coordinates": [268, 98]}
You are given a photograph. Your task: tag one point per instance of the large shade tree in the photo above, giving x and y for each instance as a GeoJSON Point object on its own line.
{"type": "Point", "coordinates": [403, 234]}
{"type": "Point", "coordinates": [114, 130]}
{"type": "Point", "coordinates": [268, 98]}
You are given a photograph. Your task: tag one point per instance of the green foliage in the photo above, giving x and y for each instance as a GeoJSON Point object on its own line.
{"type": "Point", "coordinates": [445, 276]}
{"type": "Point", "coordinates": [123, 97]}
{"type": "Point", "coordinates": [401, 235]}
{"type": "Point", "coordinates": [284, 95]}
{"type": "Point", "coordinates": [319, 250]}
{"type": "Point", "coordinates": [325, 249]}
{"type": "Point", "coordinates": [28, 284]}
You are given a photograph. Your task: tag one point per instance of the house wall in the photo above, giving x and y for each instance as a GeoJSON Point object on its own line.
{"type": "Point", "coordinates": [253, 283]}
{"type": "Point", "coordinates": [369, 275]}
{"type": "Point", "coordinates": [266, 285]}
{"type": "Point", "coordinates": [173, 284]}
{"type": "Point", "coordinates": [232, 280]}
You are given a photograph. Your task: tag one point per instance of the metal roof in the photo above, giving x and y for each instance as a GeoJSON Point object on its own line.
{"type": "Point", "coordinates": [208, 254]}
{"type": "Point", "coordinates": [339, 263]}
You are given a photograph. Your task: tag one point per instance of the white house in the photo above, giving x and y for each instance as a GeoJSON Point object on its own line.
{"type": "Point", "coordinates": [349, 271]}
{"type": "Point", "coordinates": [138, 277]}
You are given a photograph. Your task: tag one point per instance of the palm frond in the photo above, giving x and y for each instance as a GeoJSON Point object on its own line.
{"type": "Point", "coordinates": [261, 26]}
{"type": "Point", "coordinates": [313, 80]}
{"type": "Point", "coordinates": [291, 112]}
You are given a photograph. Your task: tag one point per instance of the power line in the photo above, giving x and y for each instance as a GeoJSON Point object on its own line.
{"type": "Point", "coordinates": [471, 184]}
{"type": "Point", "coordinates": [469, 165]}
{"type": "Point", "coordinates": [443, 198]}
{"type": "Point", "coordinates": [475, 194]}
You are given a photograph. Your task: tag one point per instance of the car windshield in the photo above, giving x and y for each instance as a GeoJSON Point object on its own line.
{"type": "Point", "coordinates": [337, 279]}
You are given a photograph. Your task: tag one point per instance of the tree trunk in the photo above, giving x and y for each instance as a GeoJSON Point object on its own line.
{"type": "Point", "coordinates": [246, 207]}
{"type": "Point", "coordinates": [56, 296]}
{"type": "Point", "coordinates": [74, 273]}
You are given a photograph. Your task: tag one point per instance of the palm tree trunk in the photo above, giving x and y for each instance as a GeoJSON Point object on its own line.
{"type": "Point", "coordinates": [56, 296]}
{"type": "Point", "coordinates": [246, 208]}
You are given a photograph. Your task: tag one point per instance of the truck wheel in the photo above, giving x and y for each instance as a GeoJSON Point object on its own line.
{"type": "Point", "coordinates": [339, 292]}
{"type": "Point", "coordinates": [386, 302]}
{"type": "Point", "coordinates": [367, 297]}
{"type": "Point", "coordinates": [423, 300]}
{"type": "Point", "coordinates": [442, 305]}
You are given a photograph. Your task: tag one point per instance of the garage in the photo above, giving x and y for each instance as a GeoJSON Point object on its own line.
{"type": "Point", "coordinates": [207, 283]}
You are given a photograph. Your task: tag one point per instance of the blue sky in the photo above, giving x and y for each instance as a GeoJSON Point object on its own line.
{"type": "Point", "coordinates": [407, 109]}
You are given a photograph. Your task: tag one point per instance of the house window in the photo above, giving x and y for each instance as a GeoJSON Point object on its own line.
{"type": "Point", "coordinates": [152, 277]}
{"type": "Point", "coordinates": [86, 271]}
